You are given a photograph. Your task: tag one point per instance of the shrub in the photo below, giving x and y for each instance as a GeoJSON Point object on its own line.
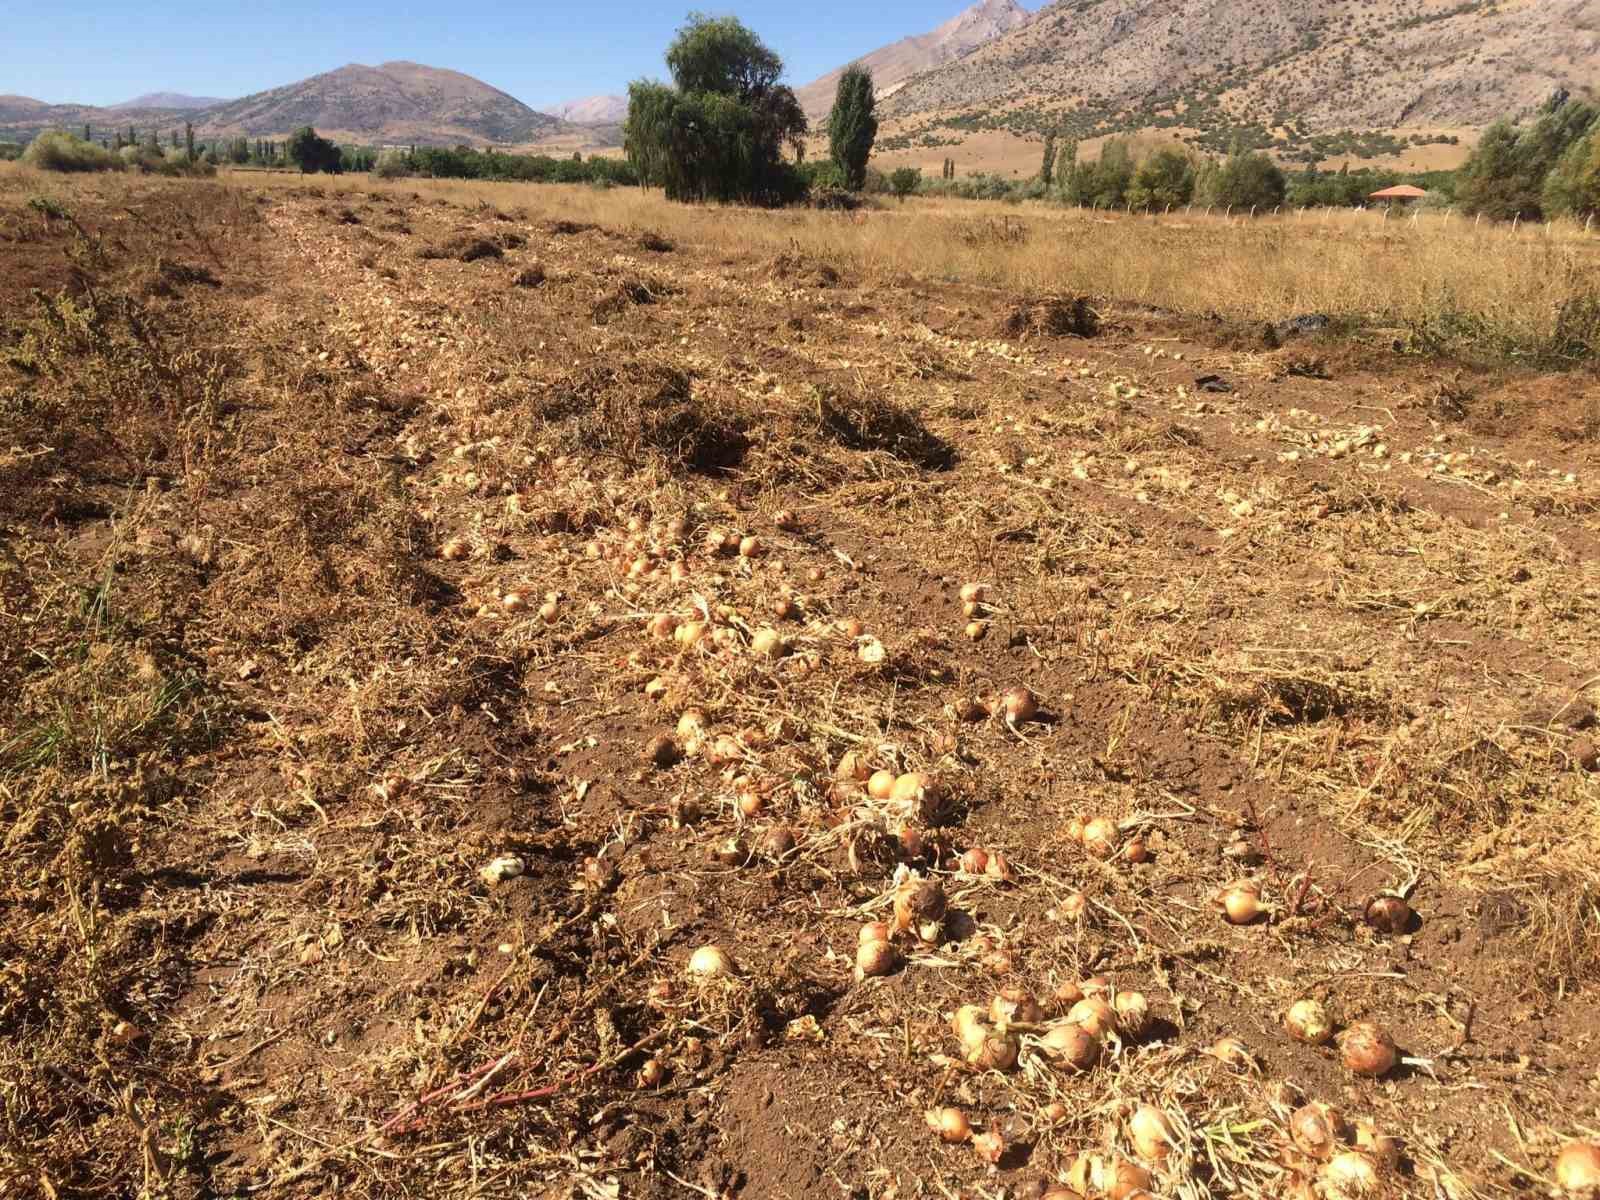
{"type": "Point", "coordinates": [391, 164]}
{"type": "Point", "coordinates": [58, 151]}
{"type": "Point", "coordinates": [904, 181]}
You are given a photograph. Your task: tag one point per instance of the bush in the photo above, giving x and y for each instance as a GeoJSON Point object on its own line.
{"type": "Point", "coordinates": [10, 151]}
{"type": "Point", "coordinates": [57, 151]}
{"type": "Point", "coordinates": [904, 181]}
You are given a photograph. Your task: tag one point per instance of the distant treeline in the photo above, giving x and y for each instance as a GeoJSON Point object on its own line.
{"type": "Point", "coordinates": [463, 162]}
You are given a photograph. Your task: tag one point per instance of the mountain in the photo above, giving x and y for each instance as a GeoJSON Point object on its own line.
{"type": "Point", "coordinates": [592, 110]}
{"type": "Point", "coordinates": [22, 117]}
{"type": "Point", "coordinates": [396, 102]}
{"type": "Point", "coordinates": [175, 101]}
{"type": "Point", "coordinates": [891, 65]}
{"type": "Point", "coordinates": [1284, 70]}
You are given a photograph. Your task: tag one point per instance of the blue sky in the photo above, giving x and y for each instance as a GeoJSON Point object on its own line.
{"type": "Point", "coordinates": [105, 52]}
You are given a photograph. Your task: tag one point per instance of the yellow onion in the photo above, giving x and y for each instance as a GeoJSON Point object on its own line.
{"type": "Point", "coordinates": [919, 906]}
{"type": "Point", "coordinates": [874, 931]}
{"type": "Point", "coordinates": [709, 962]}
{"type": "Point", "coordinates": [652, 1073]}
{"type": "Point", "coordinates": [1351, 1175]}
{"type": "Point", "coordinates": [1380, 1147]}
{"type": "Point", "coordinates": [1240, 902]}
{"type": "Point", "coordinates": [998, 868]}
{"type": "Point", "coordinates": [880, 784]}
{"type": "Point", "coordinates": [1367, 1049]}
{"type": "Point", "coordinates": [921, 794]}
{"type": "Point", "coordinates": [974, 861]}
{"type": "Point", "coordinates": [983, 1045]}
{"type": "Point", "coordinates": [1015, 1004]}
{"type": "Point", "coordinates": [1136, 851]}
{"type": "Point", "coordinates": [1232, 1053]}
{"type": "Point", "coordinates": [1071, 1044]}
{"type": "Point", "coordinates": [1316, 1129]}
{"type": "Point", "coordinates": [1150, 1133]}
{"type": "Point", "coordinates": [875, 958]}
{"type": "Point", "coordinates": [950, 1124]}
{"type": "Point", "coordinates": [973, 593]}
{"type": "Point", "coordinates": [768, 643]}
{"type": "Point", "coordinates": [1578, 1169]}
{"type": "Point", "coordinates": [1067, 993]}
{"type": "Point", "coordinates": [1018, 704]}
{"type": "Point", "coordinates": [1101, 836]}
{"type": "Point", "coordinates": [991, 1144]}
{"type": "Point", "coordinates": [1095, 1015]}
{"type": "Point", "coordinates": [1388, 914]}
{"type": "Point", "coordinates": [1308, 1021]}
{"type": "Point", "coordinates": [662, 625]}
{"type": "Point", "coordinates": [1073, 830]}
{"type": "Point", "coordinates": [1133, 1013]}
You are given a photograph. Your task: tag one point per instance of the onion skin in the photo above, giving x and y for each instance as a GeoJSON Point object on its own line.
{"type": "Point", "coordinates": [709, 962]}
{"type": "Point", "coordinates": [1367, 1050]}
{"type": "Point", "coordinates": [1133, 1013]}
{"type": "Point", "coordinates": [1150, 1132]}
{"type": "Point", "coordinates": [1100, 837]}
{"type": "Point", "coordinates": [874, 959]}
{"type": "Point", "coordinates": [975, 861]}
{"type": "Point", "coordinates": [950, 1124]}
{"type": "Point", "coordinates": [921, 793]}
{"type": "Point", "coordinates": [1231, 1052]}
{"type": "Point", "coordinates": [875, 931]}
{"type": "Point", "coordinates": [1015, 1004]}
{"type": "Point", "coordinates": [1578, 1169]}
{"type": "Point", "coordinates": [1351, 1175]}
{"type": "Point", "coordinates": [1095, 1015]}
{"type": "Point", "coordinates": [1316, 1130]}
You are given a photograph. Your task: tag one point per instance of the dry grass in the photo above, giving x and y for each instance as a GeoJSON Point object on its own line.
{"type": "Point", "coordinates": [272, 711]}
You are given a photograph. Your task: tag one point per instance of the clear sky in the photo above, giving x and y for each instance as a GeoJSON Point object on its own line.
{"type": "Point", "coordinates": [106, 51]}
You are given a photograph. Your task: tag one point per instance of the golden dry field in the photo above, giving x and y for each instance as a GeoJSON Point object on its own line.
{"type": "Point", "coordinates": [526, 690]}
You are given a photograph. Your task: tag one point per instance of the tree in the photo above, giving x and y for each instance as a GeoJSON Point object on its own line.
{"type": "Point", "coordinates": [719, 132]}
{"type": "Point", "coordinates": [1164, 180]}
{"type": "Point", "coordinates": [188, 140]}
{"type": "Point", "coordinates": [853, 124]}
{"type": "Point", "coordinates": [1572, 189]}
{"type": "Point", "coordinates": [1047, 166]}
{"type": "Point", "coordinates": [1248, 180]}
{"type": "Point", "coordinates": [903, 181]}
{"type": "Point", "coordinates": [1507, 173]}
{"type": "Point", "coordinates": [312, 153]}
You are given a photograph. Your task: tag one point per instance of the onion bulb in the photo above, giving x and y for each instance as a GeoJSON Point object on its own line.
{"type": "Point", "coordinates": [1368, 1050]}
{"type": "Point", "coordinates": [852, 627]}
{"type": "Point", "coordinates": [1578, 1168]}
{"type": "Point", "coordinates": [1100, 837]}
{"type": "Point", "coordinates": [1011, 1005]}
{"type": "Point", "coordinates": [662, 625]}
{"type": "Point", "coordinates": [874, 931]}
{"type": "Point", "coordinates": [983, 1045]}
{"type": "Point", "coordinates": [1073, 830]}
{"type": "Point", "coordinates": [1240, 902]}
{"type": "Point", "coordinates": [881, 785]}
{"type": "Point", "coordinates": [875, 958]}
{"type": "Point", "coordinates": [1151, 1134]}
{"type": "Point", "coordinates": [1136, 851]}
{"type": "Point", "coordinates": [709, 962]}
{"type": "Point", "coordinates": [950, 1124]}
{"type": "Point", "coordinates": [750, 546]}
{"type": "Point", "coordinates": [973, 593]}
{"type": "Point", "coordinates": [1018, 704]}
{"type": "Point", "coordinates": [1388, 914]}
{"type": "Point", "coordinates": [1380, 1147]}
{"type": "Point", "coordinates": [786, 519]}
{"type": "Point", "coordinates": [1072, 907]}
{"type": "Point", "coordinates": [852, 768]}
{"type": "Point", "coordinates": [974, 861]}
{"type": "Point", "coordinates": [998, 868]}
{"type": "Point", "coordinates": [1133, 1013]}
{"type": "Point", "coordinates": [1067, 994]}
{"type": "Point", "coordinates": [778, 842]}
{"type": "Point", "coordinates": [921, 794]}
{"type": "Point", "coordinates": [1095, 1015]}
{"type": "Point", "coordinates": [1308, 1021]}
{"type": "Point", "coordinates": [1071, 1044]}
{"type": "Point", "coordinates": [689, 633]}
{"type": "Point", "coordinates": [1351, 1175]}
{"type": "Point", "coordinates": [919, 906]}
{"type": "Point", "coordinates": [1055, 1112]}
{"type": "Point", "coordinates": [1232, 1053]}
{"type": "Point", "coordinates": [1096, 985]}
{"type": "Point", "coordinates": [1316, 1129]}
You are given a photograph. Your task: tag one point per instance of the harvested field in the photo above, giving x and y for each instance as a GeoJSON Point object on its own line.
{"type": "Point", "coordinates": [415, 653]}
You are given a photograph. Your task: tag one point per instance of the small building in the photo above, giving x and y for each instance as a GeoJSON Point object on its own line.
{"type": "Point", "coordinates": [1402, 193]}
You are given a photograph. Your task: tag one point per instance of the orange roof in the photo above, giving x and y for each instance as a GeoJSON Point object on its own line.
{"type": "Point", "coordinates": [1402, 191]}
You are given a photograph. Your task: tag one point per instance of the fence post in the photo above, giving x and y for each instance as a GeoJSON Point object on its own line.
{"type": "Point", "coordinates": [1588, 223]}
{"type": "Point", "coordinates": [1515, 221]}
{"type": "Point", "coordinates": [1478, 224]}
{"type": "Point", "coordinates": [1275, 209]}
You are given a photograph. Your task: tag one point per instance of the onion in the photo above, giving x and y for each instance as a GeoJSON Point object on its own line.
{"type": "Point", "coordinates": [662, 625]}
{"type": "Point", "coordinates": [973, 593]}
{"type": "Point", "coordinates": [1240, 902]}
{"type": "Point", "coordinates": [852, 767]}
{"type": "Point", "coordinates": [548, 611]}
{"type": "Point", "coordinates": [689, 633]}
{"type": "Point", "coordinates": [1073, 906]}
{"type": "Point", "coordinates": [768, 643]}
{"type": "Point", "coordinates": [921, 793]}
{"type": "Point", "coordinates": [990, 1145]}
{"type": "Point", "coordinates": [1018, 704]}
{"type": "Point", "coordinates": [1125, 1179]}
{"type": "Point", "coordinates": [1308, 1021]}
{"type": "Point", "coordinates": [1011, 1005]}
{"type": "Point", "coordinates": [1067, 994]}
{"type": "Point", "coordinates": [1069, 1043]}
{"type": "Point", "coordinates": [455, 549]}
{"type": "Point", "coordinates": [751, 802]}
{"type": "Point", "coordinates": [1114, 1178]}
{"type": "Point", "coordinates": [983, 1045]}
{"type": "Point", "coordinates": [1231, 1052]}
{"type": "Point", "coordinates": [976, 631]}
{"type": "Point", "coordinates": [875, 958]}
{"type": "Point", "coordinates": [975, 861]}
{"type": "Point", "coordinates": [950, 1124]}
{"type": "Point", "coordinates": [1151, 1134]}
{"type": "Point", "coordinates": [1095, 1015]}
{"type": "Point", "coordinates": [1578, 1168]}
{"type": "Point", "coordinates": [851, 627]}
{"type": "Point", "coordinates": [1368, 1050]}
{"type": "Point", "coordinates": [1074, 830]}
{"type": "Point", "coordinates": [514, 602]}
{"type": "Point", "coordinates": [1097, 985]}
{"type": "Point", "coordinates": [785, 519]}
{"type": "Point", "coordinates": [919, 906]}
{"type": "Point", "coordinates": [881, 785]}
{"type": "Point", "coordinates": [998, 868]}
{"type": "Point", "coordinates": [1133, 1013]}
{"type": "Point", "coordinates": [1350, 1175]}
{"type": "Point", "coordinates": [1388, 914]}
{"type": "Point", "coordinates": [1100, 837]}
{"type": "Point", "coordinates": [778, 842]}
{"type": "Point", "coordinates": [709, 962]}
{"type": "Point", "coordinates": [874, 931]}
{"type": "Point", "coordinates": [1055, 1112]}
{"type": "Point", "coordinates": [1316, 1129]}
{"type": "Point", "coordinates": [1380, 1147]}
{"type": "Point", "coordinates": [652, 1073]}
{"type": "Point", "coordinates": [730, 852]}
{"type": "Point", "coordinates": [691, 723]}
{"type": "Point", "coordinates": [750, 546]}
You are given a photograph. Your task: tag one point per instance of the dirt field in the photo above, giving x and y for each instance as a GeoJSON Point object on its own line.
{"type": "Point", "coordinates": [426, 620]}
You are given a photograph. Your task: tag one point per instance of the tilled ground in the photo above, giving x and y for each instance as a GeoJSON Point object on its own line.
{"type": "Point", "coordinates": [429, 625]}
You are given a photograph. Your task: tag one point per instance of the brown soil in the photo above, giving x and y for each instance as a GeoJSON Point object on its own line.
{"type": "Point", "coordinates": [275, 709]}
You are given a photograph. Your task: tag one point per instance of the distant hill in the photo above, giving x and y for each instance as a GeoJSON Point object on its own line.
{"type": "Point", "coordinates": [1280, 72]}
{"type": "Point", "coordinates": [176, 101]}
{"type": "Point", "coordinates": [396, 102]}
{"type": "Point", "coordinates": [893, 64]}
{"type": "Point", "coordinates": [592, 110]}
